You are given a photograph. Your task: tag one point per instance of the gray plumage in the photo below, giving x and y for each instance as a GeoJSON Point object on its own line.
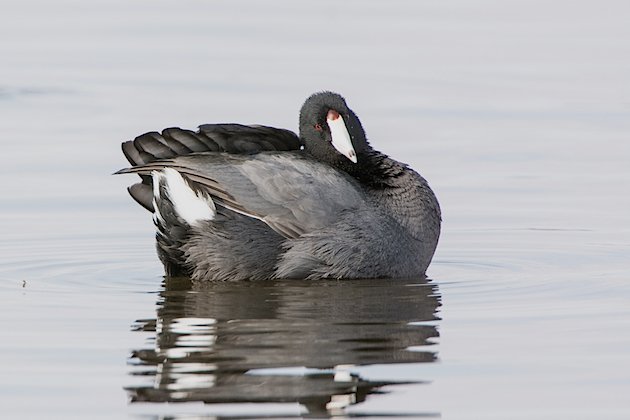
{"type": "Point", "coordinates": [287, 207]}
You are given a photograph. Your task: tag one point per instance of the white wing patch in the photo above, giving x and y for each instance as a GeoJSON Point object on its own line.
{"type": "Point", "coordinates": [191, 206]}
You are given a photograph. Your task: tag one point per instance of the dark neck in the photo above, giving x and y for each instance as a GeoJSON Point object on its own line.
{"type": "Point", "coordinates": [374, 169]}
{"type": "Point", "coordinates": [400, 189]}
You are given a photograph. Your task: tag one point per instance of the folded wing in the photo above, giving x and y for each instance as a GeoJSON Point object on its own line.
{"type": "Point", "coordinates": [291, 193]}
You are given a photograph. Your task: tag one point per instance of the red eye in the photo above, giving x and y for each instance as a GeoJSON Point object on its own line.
{"type": "Point", "coordinates": [318, 127]}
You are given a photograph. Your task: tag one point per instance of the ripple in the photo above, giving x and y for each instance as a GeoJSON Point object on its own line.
{"type": "Point", "coordinates": [78, 264]}
{"type": "Point", "coordinates": [534, 267]}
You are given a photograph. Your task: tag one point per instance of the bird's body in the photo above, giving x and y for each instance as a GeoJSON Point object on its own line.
{"type": "Point", "coordinates": [236, 202]}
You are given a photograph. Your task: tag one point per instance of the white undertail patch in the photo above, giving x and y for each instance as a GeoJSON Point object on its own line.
{"type": "Point", "coordinates": [191, 206]}
{"type": "Point", "coordinates": [157, 216]}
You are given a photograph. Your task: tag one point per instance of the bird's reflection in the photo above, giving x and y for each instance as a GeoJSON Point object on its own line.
{"type": "Point", "coordinates": [282, 341]}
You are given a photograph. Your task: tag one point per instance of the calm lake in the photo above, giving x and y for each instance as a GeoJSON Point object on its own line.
{"type": "Point", "coordinates": [517, 113]}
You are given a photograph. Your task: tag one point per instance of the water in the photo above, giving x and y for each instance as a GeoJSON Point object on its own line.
{"type": "Point", "coordinates": [283, 341]}
{"type": "Point", "coordinates": [517, 113]}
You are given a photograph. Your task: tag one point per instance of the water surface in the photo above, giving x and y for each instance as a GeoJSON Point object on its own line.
{"type": "Point", "coordinates": [283, 341]}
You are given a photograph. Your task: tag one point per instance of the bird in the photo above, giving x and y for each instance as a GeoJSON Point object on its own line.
{"type": "Point", "coordinates": [254, 202]}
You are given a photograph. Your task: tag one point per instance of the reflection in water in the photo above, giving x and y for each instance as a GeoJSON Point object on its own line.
{"type": "Point", "coordinates": [282, 341]}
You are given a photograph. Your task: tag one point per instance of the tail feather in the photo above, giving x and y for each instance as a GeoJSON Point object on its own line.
{"type": "Point", "coordinates": [194, 142]}
{"type": "Point", "coordinates": [143, 194]}
{"type": "Point", "coordinates": [156, 146]}
{"type": "Point", "coordinates": [231, 138]}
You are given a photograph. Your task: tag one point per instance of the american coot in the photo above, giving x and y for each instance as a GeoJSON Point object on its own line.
{"type": "Point", "coordinates": [235, 202]}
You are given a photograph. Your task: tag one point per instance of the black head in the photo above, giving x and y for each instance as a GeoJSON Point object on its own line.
{"type": "Point", "coordinates": [331, 132]}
